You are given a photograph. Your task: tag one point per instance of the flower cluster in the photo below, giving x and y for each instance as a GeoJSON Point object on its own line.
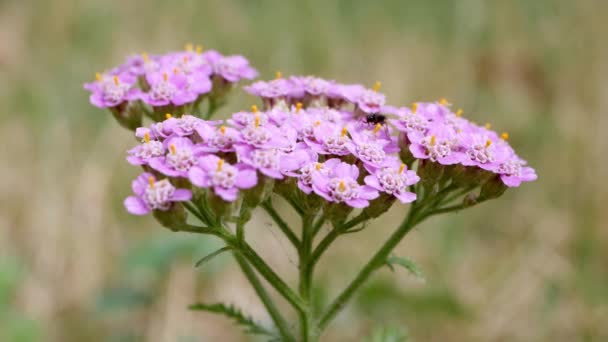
{"type": "Point", "coordinates": [430, 131]}
{"type": "Point", "coordinates": [318, 134]}
{"type": "Point", "coordinates": [171, 80]}
{"type": "Point", "coordinates": [340, 142]}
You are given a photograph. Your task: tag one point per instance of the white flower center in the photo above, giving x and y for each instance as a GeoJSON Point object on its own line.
{"type": "Point", "coordinates": [188, 123]}
{"type": "Point", "coordinates": [181, 159]}
{"type": "Point", "coordinates": [266, 159]}
{"type": "Point", "coordinates": [157, 195]}
{"type": "Point", "coordinates": [256, 135]}
{"type": "Point", "coordinates": [115, 92]}
{"type": "Point", "coordinates": [225, 178]}
{"type": "Point", "coordinates": [481, 153]}
{"type": "Point", "coordinates": [371, 153]}
{"type": "Point", "coordinates": [163, 91]}
{"type": "Point", "coordinates": [152, 148]}
{"type": "Point", "coordinates": [391, 181]}
{"type": "Point", "coordinates": [336, 144]}
{"type": "Point", "coordinates": [343, 189]}
{"type": "Point", "coordinates": [437, 149]}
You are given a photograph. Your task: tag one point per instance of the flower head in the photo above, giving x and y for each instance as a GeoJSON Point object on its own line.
{"type": "Point", "coordinates": [112, 90]}
{"type": "Point", "coordinates": [225, 179]}
{"type": "Point", "coordinates": [394, 180]}
{"type": "Point", "coordinates": [151, 194]}
{"type": "Point", "coordinates": [341, 186]}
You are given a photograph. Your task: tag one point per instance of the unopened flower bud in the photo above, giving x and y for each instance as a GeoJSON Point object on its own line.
{"type": "Point", "coordinates": [337, 213]}
{"type": "Point", "coordinates": [469, 200]}
{"type": "Point", "coordinates": [128, 115]}
{"type": "Point", "coordinates": [379, 206]}
{"type": "Point", "coordinates": [259, 193]}
{"type": "Point", "coordinates": [491, 189]}
{"type": "Point", "coordinates": [173, 218]}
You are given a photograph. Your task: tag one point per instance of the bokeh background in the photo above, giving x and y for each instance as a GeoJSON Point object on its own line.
{"type": "Point", "coordinates": [530, 266]}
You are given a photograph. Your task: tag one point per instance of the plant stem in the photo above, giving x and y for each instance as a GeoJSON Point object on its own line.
{"type": "Point", "coordinates": [307, 330]}
{"type": "Point", "coordinates": [373, 264]}
{"type": "Point", "coordinates": [250, 254]}
{"type": "Point", "coordinates": [267, 205]}
{"type": "Point", "coordinates": [268, 273]}
{"type": "Point", "coordinates": [317, 226]}
{"type": "Point", "coordinates": [274, 313]}
{"type": "Point", "coordinates": [333, 235]}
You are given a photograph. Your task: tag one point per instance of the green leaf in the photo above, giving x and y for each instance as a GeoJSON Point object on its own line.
{"type": "Point", "coordinates": [230, 311]}
{"type": "Point", "coordinates": [212, 255]}
{"type": "Point", "coordinates": [408, 264]}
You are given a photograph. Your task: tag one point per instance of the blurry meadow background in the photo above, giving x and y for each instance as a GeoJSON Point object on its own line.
{"type": "Point", "coordinates": [530, 266]}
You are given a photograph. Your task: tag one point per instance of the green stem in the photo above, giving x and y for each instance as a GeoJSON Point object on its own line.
{"type": "Point", "coordinates": [260, 265]}
{"type": "Point", "coordinates": [267, 205]}
{"type": "Point", "coordinates": [318, 225]}
{"type": "Point", "coordinates": [211, 109]}
{"type": "Point", "coordinates": [372, 265]}
{"type": "Point", "coordinates": [192, 209]}
{"type": "Point", "coordinates": [249, 253]}
{"type": "Point", "coordinates": [333, 235]}
{"type": "Point", "coordinates": [307, 329]}
{"type": "Point", "coordinates": [274, 313]}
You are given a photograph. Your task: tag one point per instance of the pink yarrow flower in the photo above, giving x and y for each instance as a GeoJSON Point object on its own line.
{"type": "Point", "coordinates": [341, 186]}
{"type": "Point", "coordinates": [151, 194]}
{"type": "Point", "coordinates": [225, 179]}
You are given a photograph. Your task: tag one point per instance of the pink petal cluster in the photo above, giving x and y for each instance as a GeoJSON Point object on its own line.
{"type": "Point", "coordinates": [319, 134]}
{"type": "Point", "coordinates": [173, 79]}
{"type": "Point", "coordinates": [432, 131]}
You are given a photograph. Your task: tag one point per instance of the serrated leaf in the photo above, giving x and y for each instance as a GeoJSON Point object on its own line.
{"type": "Point", "coordinates": [212, 255]}
{"type": "Point", "coordinates": [408, 264]}
{"type": "Point", "coordinates": [230, 311]}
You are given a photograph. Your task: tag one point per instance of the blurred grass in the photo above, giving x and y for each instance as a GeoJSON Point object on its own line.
{"type": "Point", "coordinates": [530, 266]}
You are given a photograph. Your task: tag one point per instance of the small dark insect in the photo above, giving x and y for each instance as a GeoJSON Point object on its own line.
{"type": "Point", "coordinates": [375, 119]}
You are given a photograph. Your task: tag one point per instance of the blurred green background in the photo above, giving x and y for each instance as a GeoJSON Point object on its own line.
{"type": "Point", "coordinates": [530, 266]}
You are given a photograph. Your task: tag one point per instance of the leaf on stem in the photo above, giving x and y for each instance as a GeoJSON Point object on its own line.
{"type": "Point", "coordinates": [230, 311]}
{"type": "Point", "coordinates": [408, 264]}
{"type": "Point", "coordinates": [212, 255]}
